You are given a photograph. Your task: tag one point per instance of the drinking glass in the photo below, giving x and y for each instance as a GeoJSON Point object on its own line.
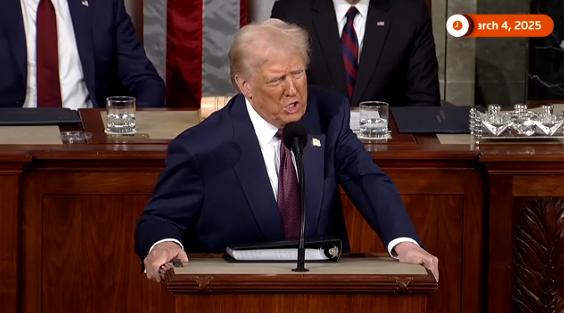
{"type": "Point", "coordinates": [120, 115]}
{"type": "Point", "coordinates": [373, 120]}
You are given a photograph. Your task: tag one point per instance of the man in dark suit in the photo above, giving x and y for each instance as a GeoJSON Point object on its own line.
{"type": "Point", "coordinates": [225, 183]}
{"type": "Point", "coordinates": [98, 53]}
{"type": "Point", "coordinates": [392, 44]}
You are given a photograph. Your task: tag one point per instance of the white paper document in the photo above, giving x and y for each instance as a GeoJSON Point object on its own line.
{"type": "Point", "coordinates": [288, 254]}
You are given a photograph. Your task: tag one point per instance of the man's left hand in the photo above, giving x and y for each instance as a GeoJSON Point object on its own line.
{"type": "Point", "coordinates": [408, 252]}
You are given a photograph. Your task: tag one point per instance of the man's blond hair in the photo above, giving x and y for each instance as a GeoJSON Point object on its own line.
{"type": "Point", "coordinates": [245, 55]}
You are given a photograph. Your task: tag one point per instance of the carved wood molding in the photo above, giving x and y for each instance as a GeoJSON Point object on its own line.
{"type": "Point", "coordinates": [538, 256]}
{"type": "Point", "coordinates": [392, 284]}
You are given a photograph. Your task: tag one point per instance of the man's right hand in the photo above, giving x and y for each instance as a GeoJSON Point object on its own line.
{"type": "Point", "coordinates": [158, 261]}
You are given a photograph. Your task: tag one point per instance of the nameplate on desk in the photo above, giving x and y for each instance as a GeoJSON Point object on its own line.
{"type": "Point", "coordinates": [38, 116]}
{"type": "Point", "coordinates": [432, 119]}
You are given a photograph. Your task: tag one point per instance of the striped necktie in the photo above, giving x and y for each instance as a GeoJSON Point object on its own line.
{"type": "Point", "coordinates": [48, 83]}
{"type": "Point", "coordinates": [288, 193]}
{"type": "Point", "coordinates": [349, 48]}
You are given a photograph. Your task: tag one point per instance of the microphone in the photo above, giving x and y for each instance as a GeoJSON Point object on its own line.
{"type": "Point", "coordinates": [295, 137]}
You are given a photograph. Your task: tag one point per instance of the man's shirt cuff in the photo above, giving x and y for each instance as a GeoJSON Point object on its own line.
{"type": "Point", "coordinates": [166, 240]}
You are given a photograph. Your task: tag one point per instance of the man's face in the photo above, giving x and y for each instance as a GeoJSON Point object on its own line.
{"type": "Point", "coordinates": [278, 90]}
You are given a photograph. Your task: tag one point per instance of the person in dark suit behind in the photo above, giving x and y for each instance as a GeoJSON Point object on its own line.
{"type": "Point", "coordinates": [390, 40]}
{"type": "Point", "coordinates": [72, 54]}
{"type": "Point", "coordinates": [221, 186]}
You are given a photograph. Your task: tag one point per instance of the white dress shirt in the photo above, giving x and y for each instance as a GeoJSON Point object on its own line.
{"type": "Point", "coordinates": [74, 93]}
{"type": "Point", "coordinates": [270, 148]}
{"type": "Point", "coordinates": [359, 23]}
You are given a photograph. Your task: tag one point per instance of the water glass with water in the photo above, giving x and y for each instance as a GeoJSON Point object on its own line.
{"type": "Point", "coordinates": [120, 115]}
{"type": "Point", "coordinates": [374, 120]}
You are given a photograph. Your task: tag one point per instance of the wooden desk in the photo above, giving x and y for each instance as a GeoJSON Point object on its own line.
{"type": "Point", "coordinates": [11, 168]}
{"type": "Point", "coordinates": [352, 285]}
{"type": "Point", "coordinates": [526, 228]}
{"type": "Point", "coordinates": [68, 212]}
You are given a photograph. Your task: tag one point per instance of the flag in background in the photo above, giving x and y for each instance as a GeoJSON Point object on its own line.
{"type": "Point", "coordinates": [188, 41]}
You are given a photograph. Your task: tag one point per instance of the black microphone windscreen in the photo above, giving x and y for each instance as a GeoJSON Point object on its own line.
{"type": "Point", "coordinates": [294, 130]}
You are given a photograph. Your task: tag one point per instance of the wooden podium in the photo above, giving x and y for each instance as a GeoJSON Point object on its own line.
{"type": "Point", "coordinates": [355, 284]}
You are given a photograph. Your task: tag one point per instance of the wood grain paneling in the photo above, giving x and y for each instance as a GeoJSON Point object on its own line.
{"type": "Point", "coordinates": [298, 303]}
{"type": "Point", "coordinates": [538, 262]}
{"type": "Point", "coordinates": [474, 238]}
{"type": "Point", "coordinates": [11, 169]}
{"type": "Point", "coordinates": [538, 185]}
{"type": "Point", "coordinates": [9, 241]}
{"type": "Point", "coordinates": [92, 238]}
{"type": "Point", "coordinates": [500, 243]}
{"type": "Point", "coordinates": [79, 241]}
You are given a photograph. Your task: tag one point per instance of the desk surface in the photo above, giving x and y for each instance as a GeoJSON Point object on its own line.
{"type": "Point", "coordinates": [345, 266]}
{"type": "Point", "coordinates": [400, 147]}
{"type": "Point", "coordinates": [350, 274]}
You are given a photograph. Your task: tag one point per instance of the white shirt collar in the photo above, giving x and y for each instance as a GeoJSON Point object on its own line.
{"type": "Point", "coordinates": [264, 130]}
{"type": "Point", "coordinates": [342, 6]}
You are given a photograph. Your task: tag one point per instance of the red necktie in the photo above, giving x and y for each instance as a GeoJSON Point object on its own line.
{"type": "Point", "coordinates": [349, 48]}
{"type": "Point", "coordinates": [48, 84]}
{"type": "Point", "coordinates": [288, 193]}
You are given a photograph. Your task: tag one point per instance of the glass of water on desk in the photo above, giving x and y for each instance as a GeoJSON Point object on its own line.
{"type": "Point", "coordinates": [120, 118]}
{"type": "Point", "coordinates": [373, 120]}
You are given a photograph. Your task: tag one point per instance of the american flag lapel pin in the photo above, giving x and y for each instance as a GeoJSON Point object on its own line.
{"type": "Point", "coordinates": [84, 2]}
{"type": "Point", "coordinates": [315, 142]}
{"type": "Point", "coordinates": [380, 23]}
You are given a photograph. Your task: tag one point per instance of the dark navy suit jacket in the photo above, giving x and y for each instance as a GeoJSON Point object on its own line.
{"type": "Point", "coordinates": [113, 60]}
{"type": "Point", "coordinates": [215, 191]}
{"type": "Point", "coordinates": [398, 63]}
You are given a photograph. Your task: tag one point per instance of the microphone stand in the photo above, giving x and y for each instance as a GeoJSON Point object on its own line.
{"type": "Point", "coordinates": [298, 153]}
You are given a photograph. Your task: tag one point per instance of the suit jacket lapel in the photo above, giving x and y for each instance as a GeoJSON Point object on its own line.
{"type": "Point", "coordinates": [377, 27]}
{"type": "Point", "coordinates": [82, 22]}
{"type": "Point", "coordinates": [15, 32]}
{"type": "Point", "coordinates": [251, 171]}
{"type": "Point", "coordinates": [325, 25]}
{"type": "Point", "coordinates": [314, 163]}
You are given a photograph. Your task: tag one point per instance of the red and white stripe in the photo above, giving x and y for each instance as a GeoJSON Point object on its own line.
{"type": "Point", "coordinates": [188, 45]}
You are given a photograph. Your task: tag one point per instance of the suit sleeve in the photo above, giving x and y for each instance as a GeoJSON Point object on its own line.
{"type": "Point", "coordinates": [422, 73]}
{"type": "Point", "coordinates": [176, 202]}
{"type": "Point", "coordinates": [137, 74]}
{"type": "Point", "coordinates": [370, 189]}
{"type": "Point", "coordinates": [277, 11]}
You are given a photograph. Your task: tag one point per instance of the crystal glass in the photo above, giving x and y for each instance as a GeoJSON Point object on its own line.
{"type": "Point", "coordinates": [522, 120]}
{"type": "Point", "coordinates": [547, 123]}
{"type": "Point", "coordinates": [475, 125]}
{"type": "Point", "coordinates": [373, 120]}
{"type": "Point", "coordinates": [495, 121]}
{"type": "Point", "coordinates": [120, 115]}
